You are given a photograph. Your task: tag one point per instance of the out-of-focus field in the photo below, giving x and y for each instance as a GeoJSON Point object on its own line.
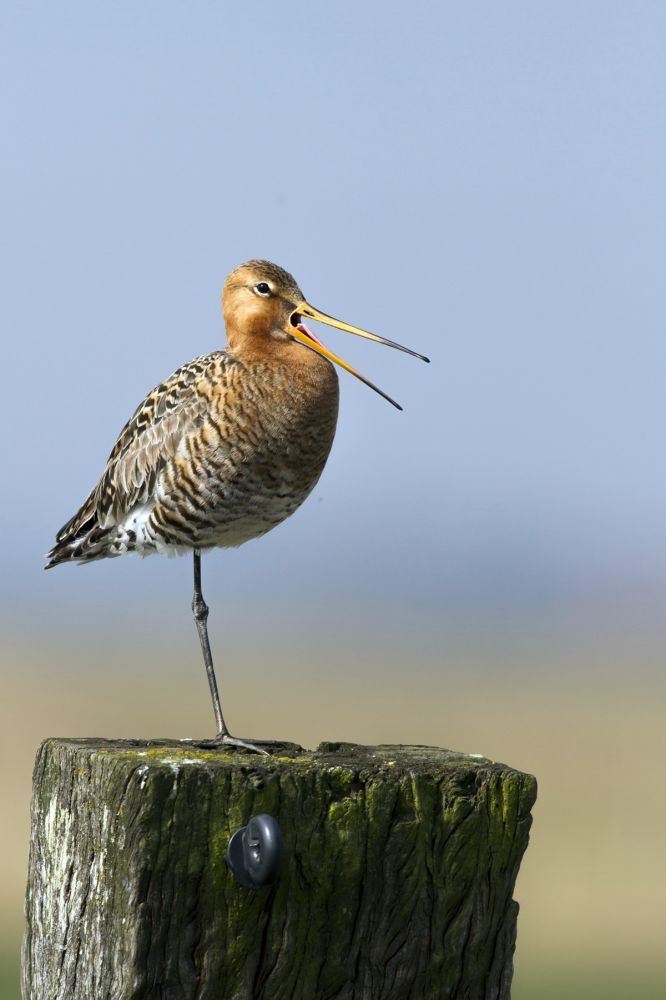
{"type": "Point", "coordinates": [591, 886]}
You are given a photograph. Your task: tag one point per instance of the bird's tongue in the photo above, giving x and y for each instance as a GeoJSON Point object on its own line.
{"type": "Point", "coordinates": [308, 333]}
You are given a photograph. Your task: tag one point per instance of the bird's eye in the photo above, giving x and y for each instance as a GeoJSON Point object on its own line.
{"type": "Point", "coordinates": [263, 288]}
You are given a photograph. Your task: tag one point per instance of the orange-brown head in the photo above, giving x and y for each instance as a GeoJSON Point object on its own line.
{"type": "Point", "coordinates": [263, 307]}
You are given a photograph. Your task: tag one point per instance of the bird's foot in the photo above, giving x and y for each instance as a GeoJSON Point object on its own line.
{"type": "Point", "coordinates": [227, 740]}
{"type": "Point", "coordinates": [264, 747]}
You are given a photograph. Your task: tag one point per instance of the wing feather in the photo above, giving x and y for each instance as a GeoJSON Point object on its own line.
{"type": "Point", "coordinates": [148, 440]}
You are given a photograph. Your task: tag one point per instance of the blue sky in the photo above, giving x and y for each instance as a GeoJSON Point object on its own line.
{"type": "Point", "coordinates": [484, 183]}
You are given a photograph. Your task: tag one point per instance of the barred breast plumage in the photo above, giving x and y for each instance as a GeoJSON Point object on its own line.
{"type": "Point", "coordinates": [208, 459]}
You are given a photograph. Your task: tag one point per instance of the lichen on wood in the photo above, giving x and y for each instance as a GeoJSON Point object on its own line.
{"type": "Point", "coordinates": [396, 882]}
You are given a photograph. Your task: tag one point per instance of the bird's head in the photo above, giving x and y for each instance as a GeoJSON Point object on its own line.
{"type": "Point", "coordinates": [263, 304]}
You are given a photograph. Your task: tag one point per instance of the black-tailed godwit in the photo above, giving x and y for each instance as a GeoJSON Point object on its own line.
{"type": "Point", "coordinates": [227, 447]}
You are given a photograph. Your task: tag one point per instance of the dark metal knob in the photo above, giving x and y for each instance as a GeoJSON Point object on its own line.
{"type": "Point", "coordinates": [254, 851]}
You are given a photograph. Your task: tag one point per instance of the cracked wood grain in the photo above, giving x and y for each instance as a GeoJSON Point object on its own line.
{"type": "Point", "coordinates": [396, 883]}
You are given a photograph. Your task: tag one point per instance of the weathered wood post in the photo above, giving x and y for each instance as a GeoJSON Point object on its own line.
{"type": "Point", "coordinates": [396, 880]}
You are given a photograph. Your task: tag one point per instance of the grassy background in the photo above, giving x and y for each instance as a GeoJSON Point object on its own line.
{"type": "Point", "coordinates": [592, 914]}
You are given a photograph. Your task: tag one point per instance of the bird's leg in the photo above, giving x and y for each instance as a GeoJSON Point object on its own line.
{"type": "Point", "coordinates": [200, 611]}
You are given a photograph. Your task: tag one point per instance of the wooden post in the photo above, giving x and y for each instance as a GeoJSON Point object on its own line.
{"type": "Point", "coordinates": [396, 880]}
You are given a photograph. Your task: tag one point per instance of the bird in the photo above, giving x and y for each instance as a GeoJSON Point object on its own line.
{"type": "Point", "coordinates": [226, 448]}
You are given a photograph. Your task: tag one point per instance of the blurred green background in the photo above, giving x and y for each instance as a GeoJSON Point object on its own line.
{"type": "Point", "coordinates": [485, 571]}
{"type": "Point", "coordinates": [586, 718]}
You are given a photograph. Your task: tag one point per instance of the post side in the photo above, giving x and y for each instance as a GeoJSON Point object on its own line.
{"type": "Point", "coordinates": [396, 880]}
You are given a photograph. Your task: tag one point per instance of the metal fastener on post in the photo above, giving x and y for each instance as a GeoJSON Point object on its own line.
{"type": "Point", "coordinates": [254, 851]}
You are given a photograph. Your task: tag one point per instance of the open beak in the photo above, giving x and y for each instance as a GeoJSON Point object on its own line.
{"type": "Point", "coordinates": [301, 333]}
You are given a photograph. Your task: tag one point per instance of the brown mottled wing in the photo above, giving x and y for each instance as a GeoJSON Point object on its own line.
{"type": "Point", "coordinates": [148, 439]}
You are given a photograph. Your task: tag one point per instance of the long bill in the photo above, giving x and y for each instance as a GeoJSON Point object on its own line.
{"type": "Point", "coordinates": [305, 337]}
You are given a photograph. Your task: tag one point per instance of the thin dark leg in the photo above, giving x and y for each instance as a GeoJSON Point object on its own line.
{"type": "Point", "coordinates": [200, 610]}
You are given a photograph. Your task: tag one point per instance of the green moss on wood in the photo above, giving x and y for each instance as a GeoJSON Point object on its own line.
{"type": "Point", "coordinates": [398, 872]}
